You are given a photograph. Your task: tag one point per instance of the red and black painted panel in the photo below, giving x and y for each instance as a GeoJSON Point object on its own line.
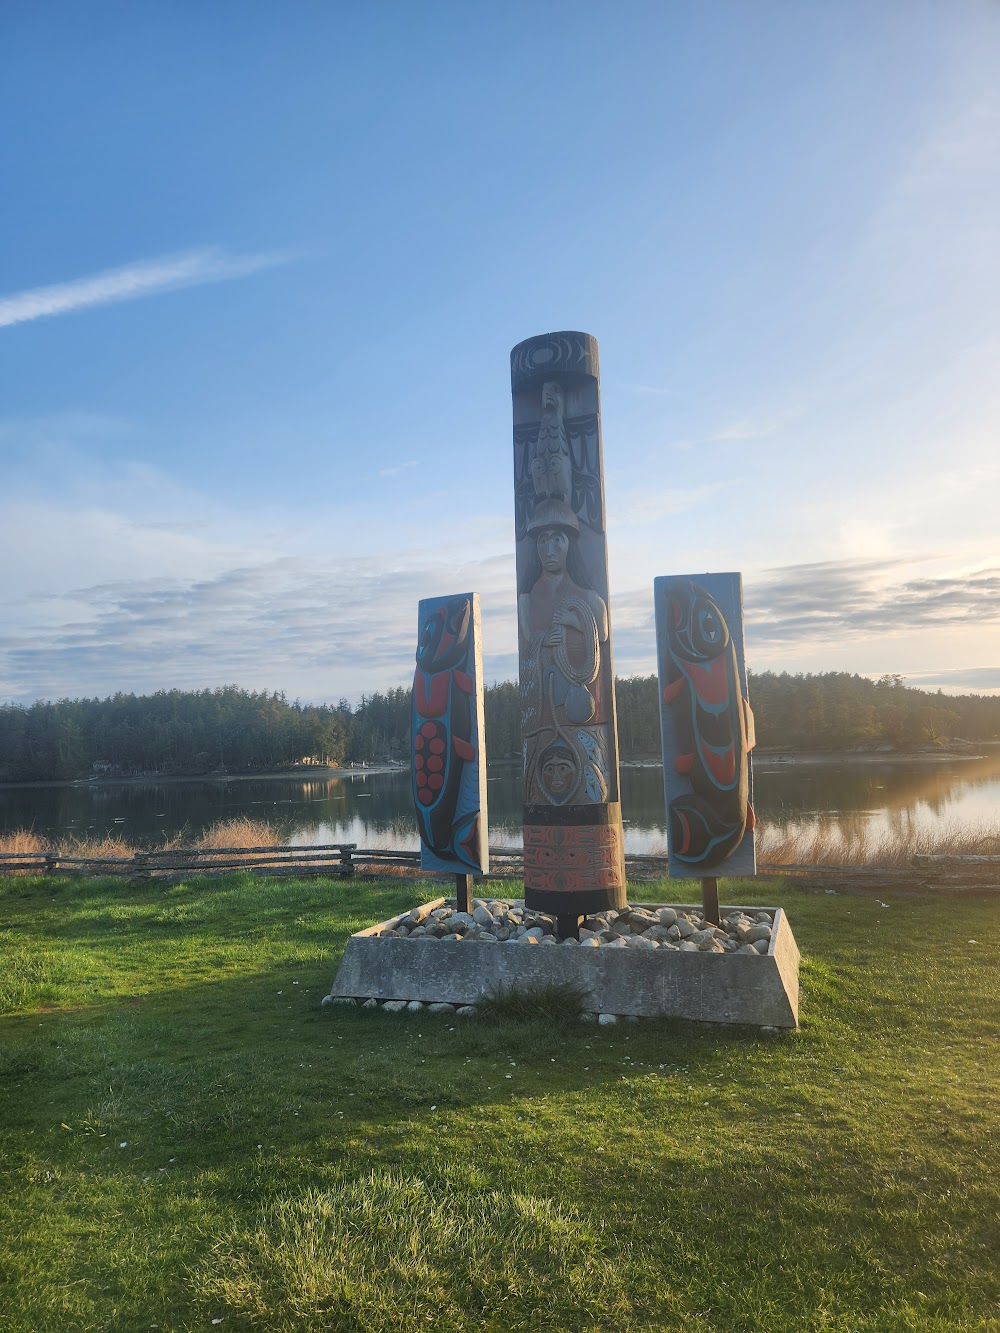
{"type": "Point", "coordinates": [448, 761]}
{"type": "Point", "coordinates": [706, 724]}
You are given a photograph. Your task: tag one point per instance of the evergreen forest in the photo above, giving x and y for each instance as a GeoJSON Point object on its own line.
{"type": "Point", "coordinates": [178, 732]}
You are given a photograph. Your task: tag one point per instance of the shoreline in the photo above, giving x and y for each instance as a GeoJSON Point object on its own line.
{"type": "Point", "coordinates": [762, 758]}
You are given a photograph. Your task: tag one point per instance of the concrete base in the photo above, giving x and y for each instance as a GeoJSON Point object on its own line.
{"type": "Point", "coordinates": [708, 987]}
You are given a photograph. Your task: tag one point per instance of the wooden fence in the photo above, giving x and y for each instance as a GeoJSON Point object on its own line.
{"type": "Point", "coordinates": [925, 874]}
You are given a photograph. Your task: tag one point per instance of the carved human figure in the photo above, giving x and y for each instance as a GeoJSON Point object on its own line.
{"type": "Point", "coordinates": [564, 629]}
{"type": "Point", "coordinates": [551, 462]}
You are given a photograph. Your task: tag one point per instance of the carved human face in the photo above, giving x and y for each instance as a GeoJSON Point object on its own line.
{"type": "Point", "coordinates": [558, 772]}
{"type": "Point", "coordinates": [553, 545]}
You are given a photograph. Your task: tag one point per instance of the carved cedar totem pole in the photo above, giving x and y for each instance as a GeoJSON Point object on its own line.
{"type": "Point", "coordinates": [573, 858]}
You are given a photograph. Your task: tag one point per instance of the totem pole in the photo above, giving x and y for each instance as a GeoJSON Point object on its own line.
{"type": "Point", "coordinates": [448, 762]}
{"type": "Point", "coordinates": [573, 858]}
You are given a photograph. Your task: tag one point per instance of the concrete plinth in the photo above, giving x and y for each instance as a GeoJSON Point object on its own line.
{"type": "Point", "coordinates": [709, 987]}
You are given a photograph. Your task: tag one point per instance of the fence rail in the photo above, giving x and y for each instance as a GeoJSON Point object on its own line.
{"type": "Point", "coordinates": [926, 873]}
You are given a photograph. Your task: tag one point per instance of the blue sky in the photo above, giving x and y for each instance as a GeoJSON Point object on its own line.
{"type": "Point", "coordinates": [261, 267]}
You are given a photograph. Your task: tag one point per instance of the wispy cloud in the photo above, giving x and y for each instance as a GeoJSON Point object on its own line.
{"type": "Point", "coordinates": [749, 429]}
{"type": "Point", "coordinates": [146, 278]}
{"type": "Point", "coordinates": [650, 390]}
{"type": "Point", "coordinates": [836, 600]}
{"type": "Point", "coordinates": [393, 471]}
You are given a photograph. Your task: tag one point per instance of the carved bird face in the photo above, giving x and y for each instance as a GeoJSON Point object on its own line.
{"type": "Point", "coordinates": [552, 397]}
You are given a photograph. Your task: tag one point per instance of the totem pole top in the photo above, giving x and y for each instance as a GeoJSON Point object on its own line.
{"type": "Point", "coordinates": [548, 354]}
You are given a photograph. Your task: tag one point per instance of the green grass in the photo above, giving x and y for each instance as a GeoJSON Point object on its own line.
{"type": "Point", "coordinates": [291, 1168]}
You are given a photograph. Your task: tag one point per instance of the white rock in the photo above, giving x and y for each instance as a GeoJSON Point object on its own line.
{"type": "Point", "coordinates": [467, 1011]}
{"type": "Point", "coordinates": [415, 1006]}
{"type": "Point", "coordinates": [394, 1006]}
{"type": "Point", "coordinates": [606, 1020]}
{"type": "Point", "coordinates": [441, 1008]}
{"type": "Point", "coordinates": [592, 943]}
{"type": "Point", "coordinates": [687, 947]}
{"type": "Point", "coordinates": [370, 1004]}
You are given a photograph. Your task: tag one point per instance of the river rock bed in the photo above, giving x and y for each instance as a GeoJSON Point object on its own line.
{"type": "Point", "coordinates": [499, 921]}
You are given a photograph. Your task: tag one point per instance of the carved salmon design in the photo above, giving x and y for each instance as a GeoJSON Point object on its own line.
{"type": "Point", "coordinates": [442, 732]}
{"type": "Point", "coordinates": [714, 729]}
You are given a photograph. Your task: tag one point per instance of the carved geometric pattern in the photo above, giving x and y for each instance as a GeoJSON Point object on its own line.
{"type": "Point", "coordinates": [572, 858]}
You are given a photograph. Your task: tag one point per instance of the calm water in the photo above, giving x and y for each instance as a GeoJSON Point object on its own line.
{"type": "Point", "coordinates": [374, 810]}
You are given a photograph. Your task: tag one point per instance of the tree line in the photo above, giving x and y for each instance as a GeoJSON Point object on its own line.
{"type": "Point", "coordinates": [180, 732]}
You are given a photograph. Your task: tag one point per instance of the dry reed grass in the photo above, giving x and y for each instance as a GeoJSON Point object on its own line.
{"type": "Point", "coordinates": [856, 843]}
{"type": "Point", "coordinates": [835, 843]}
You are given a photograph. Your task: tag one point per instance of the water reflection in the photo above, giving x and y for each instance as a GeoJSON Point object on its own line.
{"type": "Point", "coordinates": [850, 801]}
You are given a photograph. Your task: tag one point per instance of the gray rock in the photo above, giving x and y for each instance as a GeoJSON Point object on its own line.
{"type": "Point", "coordinates": [587, 1017]}
{"type": "Point", "coordinates": [607, 1020]}
{"type": "Point", "coordinates": [760, 945]}
{"type": "Point", "coordinates": [341, 999]}
{"type": "Point", "coordinates": [687, 946]}
{"type": "Point", "coordinates": [711, 945]}
{"type": "Point", "coordinates": [747, 948]}
{"type": "Point", "coordinates": [441, 1008]}
{"type": "Point", "coordinates": [536, 932]}
{"type": "Point", "coordinates": [528, 939]}
{"type": "Point", "coordinates": [487, 937]}
{"type": "Point", "coordinates": [394, 1006]}
{"type": "Point", "coordinates": [673, 932]}
{"type": "Point", "coordinates": [666, 916]}
{"type": "Point", "coordinates": [757, 933]}
{"type": "Point", "coordinates": [467, 1011]}
{"type": "Point", "coordinates": [370, 1004]}
{"type": "Point", "coordinates": [701, 937]}
{"type": "Point", "coordinates": [684, 927]}
{"type": "Point", "coordinates": [415, 1006]}
{"type": "Point", "coordinates": [483, 916]}
{"type": "Point", "coordinates": [765, 916]}
{"type": "Point", "coordinates": [592, 943]}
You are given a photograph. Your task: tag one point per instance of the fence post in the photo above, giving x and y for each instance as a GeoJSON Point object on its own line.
{"type": "Point", "coordinates": [51, 862]}
{"type": "Point", "coordinates": [346, 861]}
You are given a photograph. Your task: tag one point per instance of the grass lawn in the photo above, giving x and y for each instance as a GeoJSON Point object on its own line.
{"type": "Point", "coordinates": [187, 1140]}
